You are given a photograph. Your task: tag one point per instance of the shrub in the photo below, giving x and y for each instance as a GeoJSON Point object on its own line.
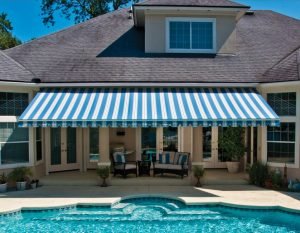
{"type": "Point", "coordinates": [20, 174]}
{"type": "Point", "coordinates": [258, 174]}
{"type": "Point", "coordinates": [3, 178]}
{"type": "Point", "coordinates": [103, 172]}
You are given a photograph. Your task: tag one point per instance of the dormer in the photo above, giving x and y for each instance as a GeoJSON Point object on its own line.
{"type": "Point", "coordinates": [189, 26]}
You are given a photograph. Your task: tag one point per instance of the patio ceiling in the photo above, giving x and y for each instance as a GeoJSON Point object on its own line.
{"type": "Point", "coordinates": [148, 107]}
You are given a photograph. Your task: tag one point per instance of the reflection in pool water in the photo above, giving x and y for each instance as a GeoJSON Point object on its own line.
{"type": "Point", "coordinates": [151, 215]}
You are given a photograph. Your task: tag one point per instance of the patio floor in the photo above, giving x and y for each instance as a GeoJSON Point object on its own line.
{"type": "Point", "coordinates": [60, 196]}
{"type": "Point", "coordinates": [76, 178]}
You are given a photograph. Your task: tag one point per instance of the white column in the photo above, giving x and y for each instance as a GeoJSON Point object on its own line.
{"type": "Point", "coordinates": [138, 144]}
{"type": "Point", "coordinates": [47, 143]}
{"type": "Point", "coordinates": [104, 147]}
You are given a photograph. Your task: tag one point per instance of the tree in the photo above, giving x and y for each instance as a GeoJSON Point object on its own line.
{"type": "Point", "coordinates": [7, 40]}
{"type": "Point", "coordinates": [80, 10]}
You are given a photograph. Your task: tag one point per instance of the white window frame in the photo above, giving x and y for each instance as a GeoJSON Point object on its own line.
{"type": "Point", "coordinates": [190, 20]}
{"type": "Point", "coordinates": [286, 119]}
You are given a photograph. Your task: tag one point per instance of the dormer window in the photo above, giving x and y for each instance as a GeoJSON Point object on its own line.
{"type": "Point", "coordinates": [190, 35]}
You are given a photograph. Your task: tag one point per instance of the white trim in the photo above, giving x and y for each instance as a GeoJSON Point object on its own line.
{"type": "Point", "coordinates": [279, 84]}
{"type": "Point", "coordinates": [190, 20]}
{"type": "Point", "coordinates": [195, 8]}
{"type": "Point", "coordinates": [8, 119]}
{"type": "Point", "coordinates": [15, 165]}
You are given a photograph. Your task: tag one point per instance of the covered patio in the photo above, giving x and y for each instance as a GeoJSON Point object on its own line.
{"type": "Point", "coordinates": [81, 127]}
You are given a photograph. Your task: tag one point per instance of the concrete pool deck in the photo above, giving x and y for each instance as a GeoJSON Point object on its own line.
{"type": "Point", "coordinates": [62, 196]}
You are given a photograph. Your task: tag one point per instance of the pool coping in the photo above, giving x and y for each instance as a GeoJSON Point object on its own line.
{"type": "Point", "coordinates": [188, 203]}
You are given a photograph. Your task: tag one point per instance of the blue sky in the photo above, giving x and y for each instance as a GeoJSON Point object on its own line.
{"type": "Point", "coordinates": [27, 21]}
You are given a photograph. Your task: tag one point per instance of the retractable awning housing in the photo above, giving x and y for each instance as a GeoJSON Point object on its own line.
{"type": "Point", "coordinates": [148, 107]}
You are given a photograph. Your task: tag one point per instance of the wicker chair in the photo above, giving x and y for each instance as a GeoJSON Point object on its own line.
{"type": "Point", "coordinates": [123, 167]}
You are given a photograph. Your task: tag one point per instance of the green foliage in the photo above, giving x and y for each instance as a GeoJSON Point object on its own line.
{"type": "Point", "coordinates": [103, 172]}
{"type": "Point", "coordinates": [79, 10]}
{"type": "Point", "coordinates": [7, 40]}
{"type": "Point", "coordinates": [258, 174]}
{"type": "Point", "coordinates": [3, 178]}
{"type": "Point", "coordinates": [276, 179]}
{"type": "Point", "coordinates": [198, 171]}
{"type": "Point", "coordinates": [20, 174]}
{"type": "Point", "coordinates": [232, 143]}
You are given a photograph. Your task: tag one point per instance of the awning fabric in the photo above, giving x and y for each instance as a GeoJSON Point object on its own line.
{"type": "Point", "coordinates": [148, 107]}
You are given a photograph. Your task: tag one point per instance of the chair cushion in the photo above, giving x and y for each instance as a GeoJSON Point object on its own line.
{"type": "Point", "coordinates": [168, 166]}
{"type": "Point", "coordinates": [127, 166]}
{"type": "Point", "coordinates": [119, 157]}
{"type": "Point", "coordinates": [182, 159]}
{"type": "Point", "coordinates": [164, 158]}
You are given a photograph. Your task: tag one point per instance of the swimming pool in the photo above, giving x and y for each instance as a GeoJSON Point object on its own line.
{"type": "Point", "coordinates": [150, 214]}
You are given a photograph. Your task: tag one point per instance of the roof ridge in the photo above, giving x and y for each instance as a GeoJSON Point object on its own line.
{"type": "Point", "coordinates": [282, 59]}
{"type": "Point", "coordinates": [16, 63]}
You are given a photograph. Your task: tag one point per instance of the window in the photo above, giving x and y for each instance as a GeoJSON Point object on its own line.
{"type": "Point", "coordinates": [13, 104]}
{"type": "Point", "coordinates": [281, 143]}
{"type": "Point", "coordinates": [206, 139]}
{"type": "Point", "coordinates": [170, 139]}
{"type": "Point", "coordinates": [14, 144]}
{"type": "Point", "coordinates": [94, 145]}
{"type": "Point", "coordinates": [38, 143]}
{"type": "Point", "coordinates": [222, 154]}
{"type": "Point", "coordinates": [284, 104]}
{"type": "Point", "coordinates": [149, 138]}
{"type": "Point", "coordinates": [190, 35]}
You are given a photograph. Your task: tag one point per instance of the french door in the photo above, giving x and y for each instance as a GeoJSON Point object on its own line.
{"type": "Point", "coordinates": [63, 154]}
{"type": "Point", "coordinates": [213, 156]}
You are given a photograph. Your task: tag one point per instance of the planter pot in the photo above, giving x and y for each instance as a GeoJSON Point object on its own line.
{"type": "Point", "coordinates": [233, 167]}
{"type": "Point", "coordinates": [33, 185]}
{"type": "Point", "coordinates": [21, 185]}
{"type": "Point", "coordinates": [3, 188]}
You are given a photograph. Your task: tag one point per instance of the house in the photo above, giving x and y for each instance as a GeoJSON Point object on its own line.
{"type": "Point", "coordinates": [167, 75]}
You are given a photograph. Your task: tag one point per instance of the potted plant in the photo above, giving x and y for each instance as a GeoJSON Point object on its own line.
{"type": "Point", "coordinates": [198, 173]}
{"type": "Point", "coordinates": [3, 183]}
{"type": "Point", "coordinates": [103, 172]}
{"type": "Point", "coordinates": [34, 184]}
{"type": "Point", "coordinates": [233, 145]}
{"type": "Point", "coordinates": [20, 176]}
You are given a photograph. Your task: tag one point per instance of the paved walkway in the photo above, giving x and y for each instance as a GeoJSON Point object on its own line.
{"type": "Point", "coordinates": [57, 196]}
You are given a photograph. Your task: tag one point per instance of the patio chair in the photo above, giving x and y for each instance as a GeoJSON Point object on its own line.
{"type": "Point", "coordinates": [177, 164]}
{"type": "Point", "coordinates": [123, 167]}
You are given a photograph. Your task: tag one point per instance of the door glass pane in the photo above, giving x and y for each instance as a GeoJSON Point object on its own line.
{"type": "Point", "coordinates": [149, 138]}
{"type": "Point", "coordinates": [71, 145]}
{"type": "Point", "coordinates": [207, 143]}
{"type": "Point", "coordinates": [221, 153]}
{"type": "Point", "coordinates": [55, 146]}
{"type": "Point", "coordinates": [94, 145]}
{"type": "Point", "coordinates": [170, 139]}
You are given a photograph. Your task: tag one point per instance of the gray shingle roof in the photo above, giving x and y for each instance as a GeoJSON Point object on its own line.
{"type": "Point", "coordinates": [286, 68]}
{"type": "Point", "coordinates": [11, 70]}
{"type": "Point", "coordinates": [192, 3]}
{"type": "Point", "coordinates": [109, 49]}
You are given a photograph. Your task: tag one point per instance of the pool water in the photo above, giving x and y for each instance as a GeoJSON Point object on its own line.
{"type": "Point", "coordinates": [151, 215]}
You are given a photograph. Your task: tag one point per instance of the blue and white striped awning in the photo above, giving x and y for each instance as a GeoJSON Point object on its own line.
{"type": "Point", "coordinates": [148, 107]}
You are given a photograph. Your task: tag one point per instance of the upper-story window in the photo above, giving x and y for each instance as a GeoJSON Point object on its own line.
{"type": "Point", "coordinates": [191, 35]}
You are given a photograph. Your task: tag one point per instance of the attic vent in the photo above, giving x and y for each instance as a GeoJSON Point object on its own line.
{"type": "Point", "coordinates": [130, 13]}
{"type": "Point", "coordinates": [249, 13]}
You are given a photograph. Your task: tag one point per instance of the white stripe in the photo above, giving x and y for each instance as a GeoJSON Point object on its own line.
{"type": "Point", "coordinates": [224, 101]}
{"type": "Point", "coordinates": [107, 106]}
{"type": "Point", "coordinates": [52, 106]}
{"type": "Point", "coordinates": [35, 104]}
{"type": "Point", "coordinates": [190, 104]}
{"type": "Point", "coordinates": [126, 105]}
{"type": "Point", "coordinates": [163, 104]}
{"type": "Point", "coordinates": [240, 99]}
{"type": "Point", "coordinates": [135, 104]}
{"type": "Point", "coordinates": [153, 104]}
{"type": "Point", "coordinates": [235, 105]}
{"type": "Point", "coordinates": [208, 105]}
{"type": "Point", "coordinates": [199, 105]}
{"type": "Point", "coordinates": [144, 104]}
{"type": "Point", "coordinates": [216, 102]}
{"type": "Point", "coordinates": [181, 106]}
{"type": "Point", "coordinates": [89, 106]}
{"type": "Point", "coordinates": [61, 106]}
{"type": "Point", "coordinates": [98, 106]}
{"type": "Point", "coordinates": [117, 105]}
{"type": "Point", "coordinates": [80, 105]}
{"type": "Point", "coordinates": [71, 105]}
{"type": "Point", "coordinates": [263, 105]}
{"type": "Point", "coordinates": [256, 109]}
{"type": "Point", "coordinates": [172, 105]}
